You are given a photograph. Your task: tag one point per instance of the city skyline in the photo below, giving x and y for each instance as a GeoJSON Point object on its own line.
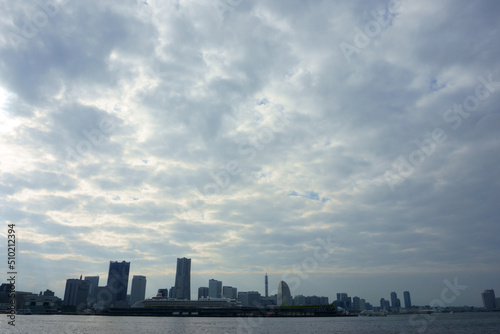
{"type": "Point", "coordinates": [218, 286]}
{"type": "Point", "coordinates": [338, 146]}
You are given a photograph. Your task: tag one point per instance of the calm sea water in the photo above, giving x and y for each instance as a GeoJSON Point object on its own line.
{"type": "Point", "coordinates": [439, 323]}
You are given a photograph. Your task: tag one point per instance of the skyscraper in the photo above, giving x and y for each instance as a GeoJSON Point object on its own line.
{"type": "Point", "coordinates": [202, 292]}
{"type": "Point", "coordinates": [76, 293]}
{"type": "Point", "coordinates": [94, 283]}
{"type": "Point", "coordinates": [229, 292]}
{"type": "Point", "coordinates": [118, 282]}
{"type": "Point", "coordinates": [407, 298]}
{"type": "Point", "coordinates": [395, 302]}
{"type": "Point", "coordinates": [183, 279]}
{"type": "Point", "coordinates": [214, 288]}
{"type": "Point", "coordinates": [138, 291]}
{"type": "Point", "coordinates": [488, 297]}
{"type": "Point", "coordinates": [284, 296]}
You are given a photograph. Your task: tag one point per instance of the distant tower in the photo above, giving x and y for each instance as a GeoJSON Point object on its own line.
{"type": "Point", "coordinates": [183, 279]}
{"type": "Point", "coordinates": [267, 295]}
{"type": "Point", "coordinates": [406, 295]}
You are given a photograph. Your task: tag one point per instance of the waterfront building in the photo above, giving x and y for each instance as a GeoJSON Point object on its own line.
{"type": "Point", "coordinates": [214, 288]}
{"type": "Point", "coordinates": [183, 279]}
{"type": "Point", "coordinates": [76, 293]}
{"type": "Point", "coordinates": [94, 283]}
{"type": "Point", "coordinates": [202, 292]}
{"type": "Point", "coordinates": [249, 298]}
{"type": "Point", "coordinates": [407, 298]}
{"type": "Point", "coordinates": [229, 292]}
{"type": "Point", "coordinates": [284, 296]}
{"type": "Point", "coordinates": [356, 304]}
{"type": "Point", "coordinates": [138, 291]}
{"type": "Point", "coordinates": [488, 297]}
{"type": "Point", "coordinates": [362, 304]}
{"type": "Point", "coordinates": [118, 282]}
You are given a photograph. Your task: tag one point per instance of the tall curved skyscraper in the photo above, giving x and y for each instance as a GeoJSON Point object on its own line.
{"type": "Point", "coordinates": [284, 296]}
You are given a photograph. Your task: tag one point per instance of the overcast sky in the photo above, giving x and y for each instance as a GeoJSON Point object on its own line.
{"type": "Point", "coordinates": [347, 146]}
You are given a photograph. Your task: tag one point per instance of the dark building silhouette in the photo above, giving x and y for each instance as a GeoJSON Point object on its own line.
{"type": "Point", "coordinates": [183, 279]}
{"type": "Point", "coordinates": [48, 293]}
{"type": "Point", "coordinates": [138, 291]}
{"type": "Point", "coordinates": [118, 282]}
{"type": "Point", "coordinates": [407, 298]}
{"type": "Point", "coordinates": [76, 293]}
{"type": "Point", "coordinates": [488, 297]}
{"type": "Point", "coordinates": [94, 284]}
{"type": "Point", "coordinates": [214, 288]}
{"type": "Point", "coordinates": [202, 292]}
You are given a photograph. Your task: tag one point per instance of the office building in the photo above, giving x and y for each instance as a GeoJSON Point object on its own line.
{"type": "Point", "coordinates": [343, 301]}
{"type": "Point", "coordinates": [229, 292]}
{"type": "Point", "coordinates": [183, 279]}
{"type": "Point", "coordinates": [249, 298]}
{"type": "Point", "coordinates": [356, 304]}
{"type": "Point", "coordinates": [202, 292]}
{"type": "Point", "coordinates": [284, 296]}
{"type": "Point", "coordinates": [94, 283]}
{"type": "Point", "coordinates": [362, 304]}
{"type": "Point", "coordinates": [138, 291]}
{"type": "Point", "coordinates": [488, 297]}
{"type": "Point", "coordinates": [407, 298]}
{"type": "Point", "coordinates": [214, 288]}
{"type": "Point", "coordinates": [118, 282]}
{"type": "Point", "coordinates": [76, 293]}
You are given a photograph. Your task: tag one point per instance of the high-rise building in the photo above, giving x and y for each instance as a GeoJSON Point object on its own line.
{"type": "Point", "coordinates": [395, 302]}
{"type": "Point", "coordinates": [488, 297]}
{"type": "Point", "coordinates": [118, 282]}
{"type": "Point", "coordinates": [202, 292]}
{"type": "Point", "coordinates": [267, 285]}
{"type": "Point", "coordinates": [284, 296]}
{"type": "Point", "coordinates": [183, 279]}
{"type": "Point", "coordinates": [138, 291]}
{"type": "Point", "coordinates": [356, 304]}
{"type": "Point", "coordinates": [229, 292]}
{"type": "Point", "coordinates": [76, 293]}
{"type": "Point", "coordinates": [407, 298]}
{"type": "Point", "coordinates": [214, 288]}
{"type": "Point", "coordinates": [94, 283]}
{"type": "Point", "coordinates": [362, 304]}
{"type": "Point", "coordinates": [249, 298]}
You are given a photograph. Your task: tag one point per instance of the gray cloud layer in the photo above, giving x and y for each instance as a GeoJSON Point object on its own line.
{"type": "Point", "coordinates": [239, 135]}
